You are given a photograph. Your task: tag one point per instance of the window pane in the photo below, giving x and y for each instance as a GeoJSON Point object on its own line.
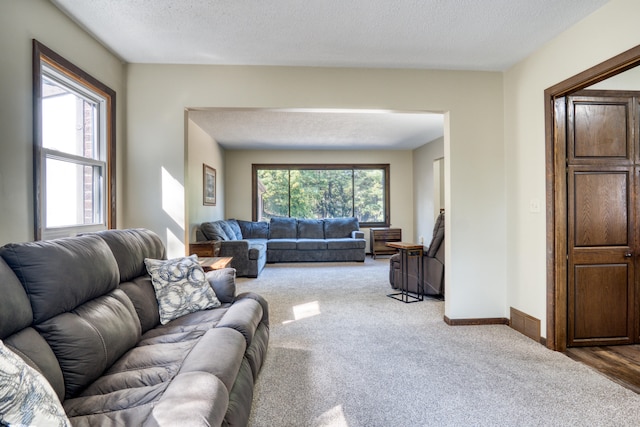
{"type": "Point", "coordinates": [72, 194]}
{"type": "Point", "coordinates": [68, 121]}
{"type": "Point", "coordinates": [369, 195]}
{"type": "Point", "coordinates": [321, 193]}
{"type": "Point", "coordinates": [273, 194]}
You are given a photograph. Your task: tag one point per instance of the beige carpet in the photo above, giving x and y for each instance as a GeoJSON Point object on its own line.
{"type": "Point", "coordinates": [342, 354]}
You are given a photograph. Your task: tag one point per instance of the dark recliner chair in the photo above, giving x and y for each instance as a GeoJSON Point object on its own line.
{"type": "Point", "coordinates": [433, 265]}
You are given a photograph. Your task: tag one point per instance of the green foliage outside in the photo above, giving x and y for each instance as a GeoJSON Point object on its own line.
{"type": "Point", "coordinates": [324, 193]}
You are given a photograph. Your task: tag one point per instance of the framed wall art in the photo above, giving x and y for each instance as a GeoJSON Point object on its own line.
{"type": "Point", "coordinates": [209, 185]}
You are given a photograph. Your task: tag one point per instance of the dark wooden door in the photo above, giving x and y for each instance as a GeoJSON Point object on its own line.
{"type": "Point", "coordinates": [602, 183]}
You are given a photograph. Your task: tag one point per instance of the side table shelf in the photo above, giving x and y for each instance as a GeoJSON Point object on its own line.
{"type": "Point", "coordinates": [378, 238]}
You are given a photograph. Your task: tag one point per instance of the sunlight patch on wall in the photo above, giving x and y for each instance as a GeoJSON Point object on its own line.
{"type": "Point", "coordinates": [173, 198]}
{"type": "Point", "coordinates": [334, 417]}
{"type": "Point", "coordinates": [175, 246]}
{"type": "Point", "coordinates": [303, 311]}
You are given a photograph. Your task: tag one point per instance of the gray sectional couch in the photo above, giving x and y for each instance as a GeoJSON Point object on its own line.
{"type": "Point", "coordinates": [83, 313]}
{"type": "Point", "coordinates": [253, 244]}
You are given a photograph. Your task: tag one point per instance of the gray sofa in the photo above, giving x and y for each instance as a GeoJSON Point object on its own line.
{"type": "Point", "coordinates": [252, 244]}
{"type": "Point", "coordinates": [83, 313]}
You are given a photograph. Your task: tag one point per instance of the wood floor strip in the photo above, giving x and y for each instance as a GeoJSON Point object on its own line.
{"type": "Point", "coordinates": [619, 363]}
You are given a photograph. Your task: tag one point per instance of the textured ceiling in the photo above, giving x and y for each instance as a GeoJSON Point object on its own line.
{"type": "Point", "coordinates": [319, 129]}
{"type": "Point", "coordinates": [444, 34]}
{"type": "Point", "coordinates": [484, 35]}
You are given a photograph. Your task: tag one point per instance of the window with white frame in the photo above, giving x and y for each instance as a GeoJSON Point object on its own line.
{"type": "Point", "coordinates": [74, 159]}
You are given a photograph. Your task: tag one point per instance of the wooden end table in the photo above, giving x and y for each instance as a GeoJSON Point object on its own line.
{"type": "Point", "coordinates": [214, 263]}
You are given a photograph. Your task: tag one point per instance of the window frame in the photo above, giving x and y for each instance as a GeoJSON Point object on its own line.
{"type": "Point", "coordinates": [385, 167]}
{"type": "Point", "coordinates": [43, 56]}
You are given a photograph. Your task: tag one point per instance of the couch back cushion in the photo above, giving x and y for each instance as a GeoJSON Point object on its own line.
{"type": "Point", "coordinates": [72, 285]}
{"type": "Point", "coordinates": [283, 228]}
{"type": "Point", "coordinates": [214, 231]}
{"type": "Point", "coordinates": [141, 293]}
{"type": "Point", "coordinates": [338, 228]}
{"type": "Point", "coordinates": [228, 230]}
{"type": "Point", "coordinates": [15, 309]}
{"type": "Point", "coordinates": [253, 229]}
{"type": "Point", "coordinates": [235, 228]}
{"type": "Point", "coordinates": [59, 275]}
{"type": "Point", "coordinates": [91, 337]}
{"type": "Point", "coordinates": [130, 248]}
{"type": "Point", "coordinates": [15, 321]}
{"type": "Point", "coordinates": [310, 229]}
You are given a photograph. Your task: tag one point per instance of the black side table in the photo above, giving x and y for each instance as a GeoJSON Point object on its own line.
{"type": "Point", "coordinates": [408, 250]}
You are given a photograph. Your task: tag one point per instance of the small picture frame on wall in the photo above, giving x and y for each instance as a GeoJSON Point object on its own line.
{"type": "Point", "coordinates": [209, 185]}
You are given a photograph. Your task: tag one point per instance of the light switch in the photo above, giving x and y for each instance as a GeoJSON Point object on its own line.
{"type": "Point", "coordinates": [534, 205]}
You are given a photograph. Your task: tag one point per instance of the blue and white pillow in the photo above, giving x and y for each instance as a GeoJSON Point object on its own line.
{"type": "Point", "coordinates": [181, 287]}
{"type": "Point", "coordinates": [26, 397]}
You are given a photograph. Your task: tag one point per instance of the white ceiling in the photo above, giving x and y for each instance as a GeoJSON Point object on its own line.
{"type": "Point", "coordinates": [319, 129]}
{"type": "Point", "coordinates": [487, 35]}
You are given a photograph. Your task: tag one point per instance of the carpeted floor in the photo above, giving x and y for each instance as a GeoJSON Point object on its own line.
{"type": "Point", "coordinates": [342, 354]}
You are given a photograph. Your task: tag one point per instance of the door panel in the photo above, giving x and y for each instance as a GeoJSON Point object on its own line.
{"type": "Point", "coordinates": [601, 262]}
{"type": "Point", "coordinates": [600, 128]}
{"type": "Point", "coordinates": [600, 298]}
{"type": "Point", "coordinates": [601, 213]}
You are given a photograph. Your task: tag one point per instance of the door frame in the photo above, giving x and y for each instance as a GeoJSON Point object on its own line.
{"type": "Point", "coordinates": [556, 187]}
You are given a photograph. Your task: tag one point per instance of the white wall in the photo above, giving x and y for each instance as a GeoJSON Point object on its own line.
{"type": "Point", "coordinates": [474, 148]}
{"type": "Point", "coordinates": [202, 149]}
{"type": "Point", "coordinates": [20, 22]}
{"type": "Point", "coordinates": [423, 190]}
{"type": "Point", "coordinates": [238, 178]}
{"type": "Point", "coordinates": [606, 33]}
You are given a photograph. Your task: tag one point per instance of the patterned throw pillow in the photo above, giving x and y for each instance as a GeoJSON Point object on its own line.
{"type": "Point", "coordinates": [26, 397]}
{"type": "Point", "coordinates": [181, 287]}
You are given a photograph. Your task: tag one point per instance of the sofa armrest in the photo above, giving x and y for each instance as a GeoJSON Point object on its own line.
{"type": "Point", "coordinates": [238, 249]}
{"type": "Point", "coordinates": [357, 234]}
{"type": "Point", "coordinates": [223, 282]}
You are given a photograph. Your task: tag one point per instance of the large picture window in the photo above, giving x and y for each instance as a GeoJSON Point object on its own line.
{"type": "Point", "coordinates": [322, 191]}
{"type": "Point", "coordinates": [74, 150]}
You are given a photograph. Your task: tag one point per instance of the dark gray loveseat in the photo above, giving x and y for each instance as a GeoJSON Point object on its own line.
{"type": "Point", "coordinates": [83, 312]}
{"type": "Point", "coordinates": [252, 244]}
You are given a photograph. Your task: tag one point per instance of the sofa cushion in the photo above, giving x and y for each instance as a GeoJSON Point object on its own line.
{"type": "Point", "coordinates": [282, 244]}
{"type": "Point", "coordinates": [26, 398]}
{"type": "Point", "coordinates": [61, 274]}
{"type": "Point", "coordinates": [143, 296]}
{"type": "Point", "coordinates": [213, 231]}
{"type": "Point", "coordinates": [310, 229]}
{"type": "Point", "coordinates": [15, 309]}
{"type": "Point", "coordinates": [235, 227]}
{"type": "Point", "coordinates": [181, 287]}
{"type": "Point", "coordinates": [283, 228]}
{"type": "Point", "coordinates": [228, 230]}
{"type": "Point", "coordinates": [311, 244]}
{"type": "Point", "coordinates": [223, 282]}
{"type": "Point", "coordinates": [336, 228]}
{"type": "Point", "coordinates": [130, 248]}
{"type": "Point", "coordinates": [346, 244]}
{"type": "Point", "coordinates": [89, 339]}
{"type": "Point", "coordinates": [254, 229]}
{"type": "Point", "coordinates": [33, 349]}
